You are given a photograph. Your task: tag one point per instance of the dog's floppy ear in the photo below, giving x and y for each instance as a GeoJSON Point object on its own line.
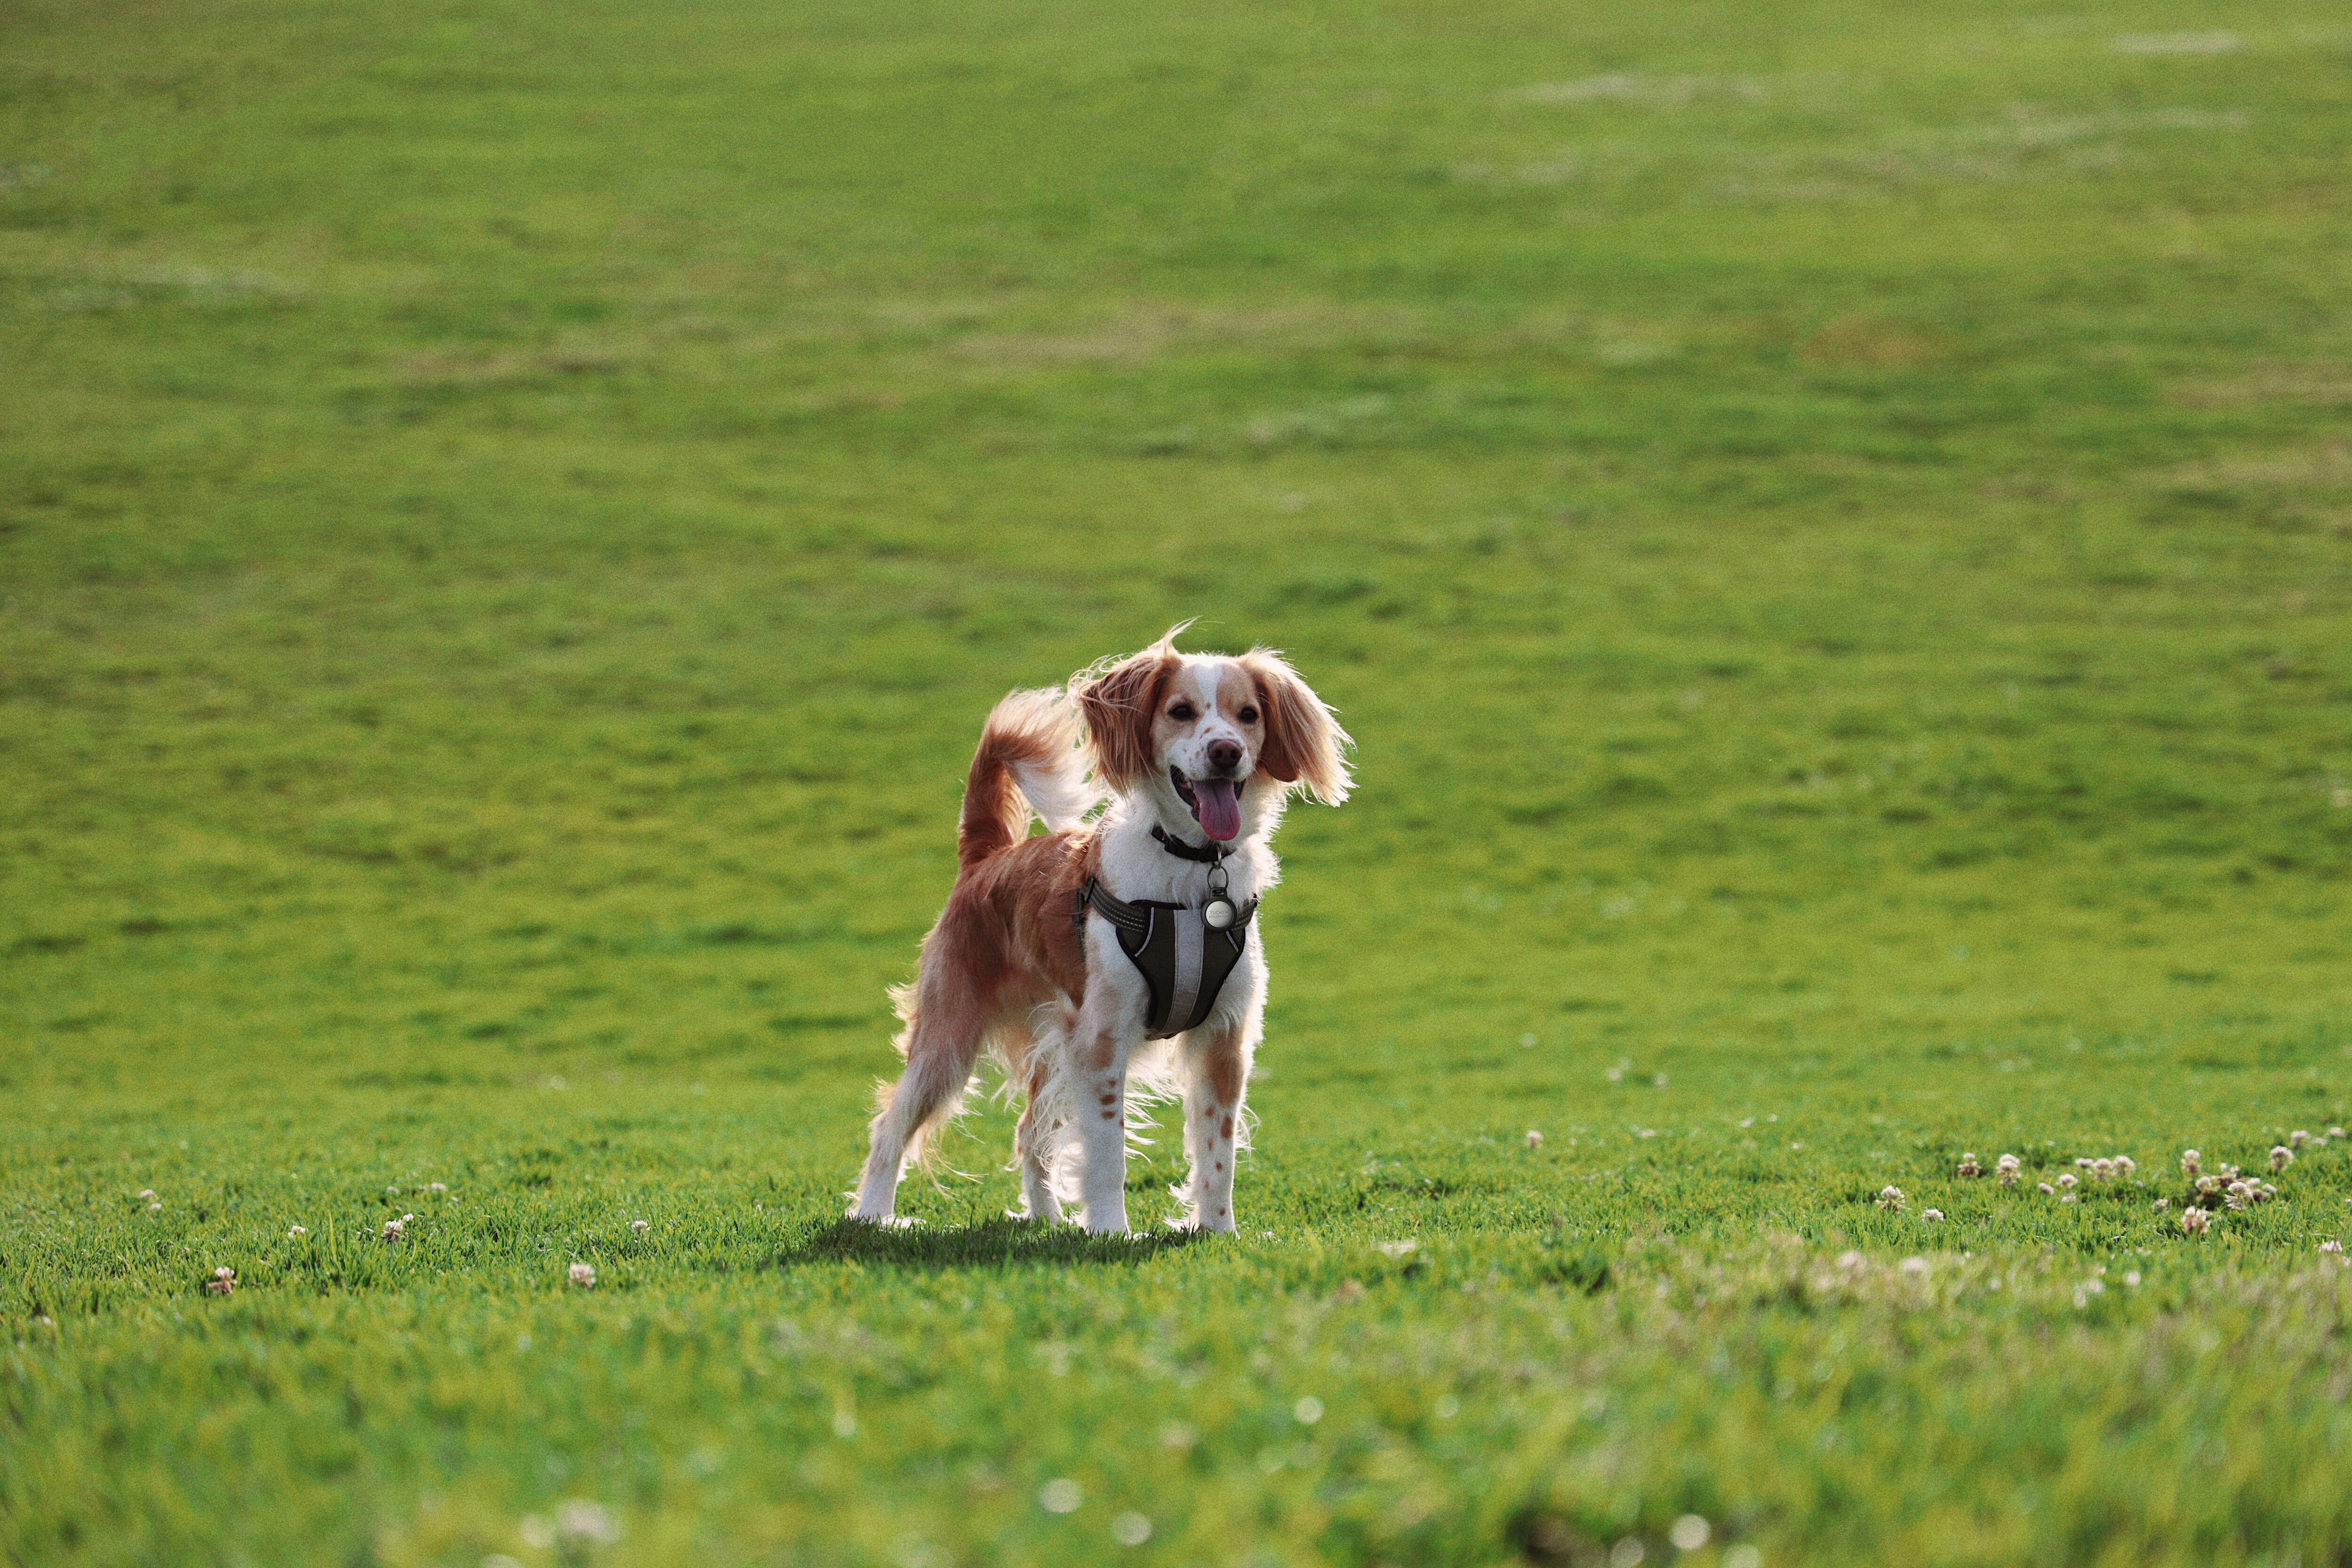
{"type": "Point", "coordinates": [1303, 741]}
{"type": "Point", "coordinates": [1118, 702]}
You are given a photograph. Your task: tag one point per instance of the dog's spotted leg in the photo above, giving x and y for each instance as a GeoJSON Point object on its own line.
{"type": "Point", "coordinates": [1216, 1078]}
{"type": "Point", "coordinates": [1100, 1073]}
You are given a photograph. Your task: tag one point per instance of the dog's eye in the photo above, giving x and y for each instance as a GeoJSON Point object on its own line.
{"type": "Point", "coordinates": [1182, 712]}
{"type": "Point", "coordinates": [1247, 715]}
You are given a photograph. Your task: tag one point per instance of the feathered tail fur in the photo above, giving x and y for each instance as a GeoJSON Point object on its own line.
{"type": "Point", "coordinates": [1028, 761]}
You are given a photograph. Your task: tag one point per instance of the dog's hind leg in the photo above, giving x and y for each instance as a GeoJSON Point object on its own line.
{"type": "Point", "coordinates": [944, 1025]}
{"type": "Point", "coordinates": [1034, 1140]}
{"type": "Point", "coordinates": [1038, 1139]}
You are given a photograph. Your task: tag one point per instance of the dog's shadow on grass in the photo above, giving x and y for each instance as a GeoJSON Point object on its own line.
{"type": "Point", "coordinates": [995, 1242]}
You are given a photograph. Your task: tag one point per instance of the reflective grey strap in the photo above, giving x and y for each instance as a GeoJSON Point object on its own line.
{"type": "Point", "coordinates": [1187, 982]}
{"type": "Point", "coordinates": [1123, 915]}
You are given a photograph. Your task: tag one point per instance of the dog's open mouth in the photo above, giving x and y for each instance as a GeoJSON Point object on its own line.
{"type": "Point", "coordinates": [1216, 803]}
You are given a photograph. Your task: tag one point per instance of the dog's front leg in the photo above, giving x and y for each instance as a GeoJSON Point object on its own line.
{"type": "Point", "coordinates": [1102, 1130]}
{"type": "Point", "coordinates": [1216, 1066]}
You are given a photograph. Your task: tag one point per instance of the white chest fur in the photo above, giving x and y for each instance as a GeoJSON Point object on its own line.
{"type": "Point", "coordinates": [1135, 866]}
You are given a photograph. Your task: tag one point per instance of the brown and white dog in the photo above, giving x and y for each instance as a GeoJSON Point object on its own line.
{"type": "Point", "coordinates": [1199, 746]}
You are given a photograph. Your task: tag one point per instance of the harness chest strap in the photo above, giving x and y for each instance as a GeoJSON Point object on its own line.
{"type": "Point", "coordinates": [1183, 958]}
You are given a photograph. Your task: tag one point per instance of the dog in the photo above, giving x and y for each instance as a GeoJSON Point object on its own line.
{"type": "Point", "coordinates": [1115, 955]}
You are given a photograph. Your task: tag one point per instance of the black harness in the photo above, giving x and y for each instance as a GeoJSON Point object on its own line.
{"type": "Point", "coordinates": [1184, 954]}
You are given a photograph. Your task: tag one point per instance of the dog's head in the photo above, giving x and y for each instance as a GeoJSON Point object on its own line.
{"type": "Point", "coordinates": [1216, 742]}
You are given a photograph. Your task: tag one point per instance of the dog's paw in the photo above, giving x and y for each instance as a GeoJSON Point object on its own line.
{"type": "Point", "coordinates": [886, 1221]}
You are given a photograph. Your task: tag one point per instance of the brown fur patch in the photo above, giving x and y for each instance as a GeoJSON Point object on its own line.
{"type": "Point", "coordinates": [1303, 741]}
{"type": "Point", "coordinates": [1120, 707]}
{"type": "Point", "coordinates": [1019, 902]}
{"type": "Point", "coordinates": [1224, 1069]}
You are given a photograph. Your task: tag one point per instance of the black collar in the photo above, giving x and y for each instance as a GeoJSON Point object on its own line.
{"type": "Point", "coordinates": [1208, 854]}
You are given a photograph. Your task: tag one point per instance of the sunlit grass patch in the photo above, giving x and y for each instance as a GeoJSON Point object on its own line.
{"type": "Point", "coordinates": [1821, 1038]}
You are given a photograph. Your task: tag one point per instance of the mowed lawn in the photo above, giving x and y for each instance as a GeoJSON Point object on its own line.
{"type": "Point", "coordinates": [1832, 527]}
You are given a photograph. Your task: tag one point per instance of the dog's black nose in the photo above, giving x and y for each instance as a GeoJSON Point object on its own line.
{"type": "Point", "coordinates": [1225, 757]}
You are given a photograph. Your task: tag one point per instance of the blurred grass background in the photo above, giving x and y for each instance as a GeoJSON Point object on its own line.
{"type": "Point", "coordinates": [1828, 523]}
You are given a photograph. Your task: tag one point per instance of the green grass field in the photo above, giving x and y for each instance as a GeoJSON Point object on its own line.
{"type": "Point", "coordinates": [1829, 523]}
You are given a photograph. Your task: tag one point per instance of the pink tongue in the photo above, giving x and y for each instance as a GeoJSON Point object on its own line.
{"type": "Point", "coordinates": [1219, 808]}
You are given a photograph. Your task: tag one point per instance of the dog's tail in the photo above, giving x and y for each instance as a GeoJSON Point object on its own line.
{"type": "Point", "coordinates": [1028, 759]}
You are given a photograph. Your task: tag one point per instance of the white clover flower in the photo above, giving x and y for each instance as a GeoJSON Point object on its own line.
{"type": "Point", "coordinates": [2047, 1190]}
{"type": "Point", "coordinates": [1689, 1533]}
{"type": "Point", "coordinates": [298, 1233]}
{"type": "Point", "coordinates": [2083, 1162]}
{"type": "Point", "coordinates": [436, 1188]}
{"type": "Point", "coordinates": [1535, 1138]}
{"type": "Point", "coordinates": [393, 1191]}
{"type": "Point", "coordinates": [224, 1280]}
{"type": "Point", "coordinates": [146, 1195]}
{"type": "Point", "coordinates": [584, 1520]}
{"type": "Point", "coordinates": [2164, 1203]}
{"type": "Point", "coordinates": [2297, 1139]}
{"type": "Point", "coordinates": [2065, 1197]}
{"type": "Point", "coordinates": [2194, 1221]}
{"type": "Point", "coordinates": [2191, 1161]}
{"type": "Point", "coordinates": [1890, 1198]}
{"type": "Point", "coordinates": [2070, 1180]}
{"type": "Point", "coordinates": [582, 1274]}
{"type": "Point", "coordinates": [2336, 1132]}
{"type": "Point", "coordinates": [2127, 1166]}
{"type": "Point", "coordinates": [2263, 1191]}
{"type": "Point", "coordinates": [640, 1227]}
{"type": "Point", "coordinates": [155, 1208]}
{"type": "Point", "coordinates": [1969, 1166]}
{"type": "Point", "coordinates": [2009, 1162]}
{"type": "Point", "coordinates": [395, 1230]}
{"type": "Point", "coordinates": [2281, 1157]}
{"type": "Point", "coordinates": [2209, 1184]}
{"type": "Point", "coordinates": [1931, 1214]}
{"type": "Point", "coordinates": [2105, 1170]}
